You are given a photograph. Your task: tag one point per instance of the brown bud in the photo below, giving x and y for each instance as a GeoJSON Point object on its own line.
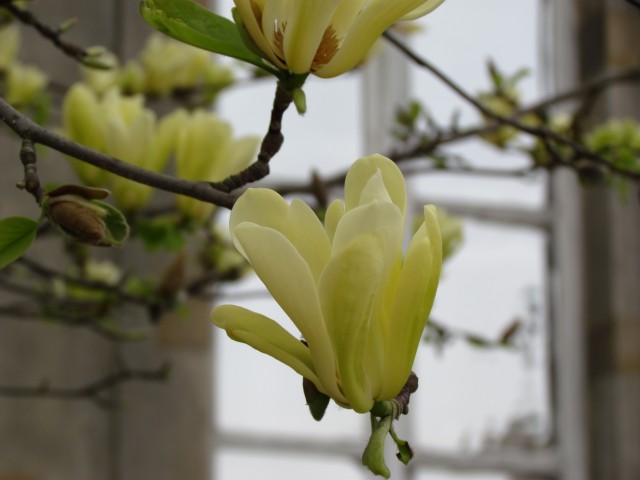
{"type": "Point", "coordinates": [78, 219]}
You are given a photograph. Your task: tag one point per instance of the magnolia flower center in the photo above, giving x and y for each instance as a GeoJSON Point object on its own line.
{"type": "Point", "coordinates": [327, 49]}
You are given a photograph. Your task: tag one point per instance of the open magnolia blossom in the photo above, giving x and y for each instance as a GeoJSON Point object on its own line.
{"type": "Point", "coordinates": [326, 37]}
{"type": "Point", "coordinates": [207, 150]}
{"type": "Point", "coordinates": [359, 305]}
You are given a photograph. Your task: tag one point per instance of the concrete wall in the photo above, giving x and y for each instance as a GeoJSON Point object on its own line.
{"type": "Point", "coordinates": [598, 326]}
{"type": "Point", "coordinates": [160, 431]}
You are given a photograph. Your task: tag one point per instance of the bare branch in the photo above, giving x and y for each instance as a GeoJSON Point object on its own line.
{"type": "Point", "coordinates": [28, 129]}
{"type": "Point", "coordinates": [114, 290]}
{"type": "Point", "coordinates": [51, 34]}
{"type": "Point", "coordinates": [543, 133]}
{"type": "Point", "coordinates": [271, 145]}
{"type": "Point", "coordinates": [31, 182]}
{"type": "Point", "coordinates": [93, 391]}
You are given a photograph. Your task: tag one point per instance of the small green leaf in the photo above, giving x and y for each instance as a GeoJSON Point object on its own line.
{"type": "Point", "coordinates": [160, 234]}
{"type": "Point", "coordinates": [116, 224]}
{"type": "Point", "coordinates": [373, 456]}
{"type": "Point", "coordinates": [405, 452]}
{"type": "Point", "coordinates": [16, 236]}
{"type": "Point", "coordinates": [477, 341]}
{"type": "Point", "coordinates": [191, 23]}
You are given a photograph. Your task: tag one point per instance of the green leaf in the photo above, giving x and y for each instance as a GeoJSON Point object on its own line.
{"type": "Point", "coordinates": [373, 456]}
{"type": "Point", "coordinates": [160, 234]}
{"type": "Point", "coordinates": [477, 341]}
{"type": "Point", "coordinates": [405, 452]}
{"type": "Point", "coordinates": [116, 224]}
{"type": "Point", "coordinates": [191, 23]}
{"type": "Point", "coordinates": [16, 236]}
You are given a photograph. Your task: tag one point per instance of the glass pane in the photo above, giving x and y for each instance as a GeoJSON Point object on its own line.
{"type": "Point", "coordinates": [473, 398]}
{"type": "Point", "coordinates": [256, 393]}
{"type": "Point", "coordinates": [441, 475]}
{"type": "Point", "coordinates": [247, 464]}
{"type": "Point", "coordinates": [326, 138]}
{"type": "Point", "coordinates": [459, 38]}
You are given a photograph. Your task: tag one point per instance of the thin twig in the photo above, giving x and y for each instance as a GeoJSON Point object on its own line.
{"type": "Point", "coordinates": [31, 182]}
{"type": "Point", "coordinates": [50, 274]}
{"type": "Point", "coordinates": [93, 391]}
{"type": "Point", "coordinates": [540, 132]}
{"type": "Point", "coordinates": [271, 145]}
{"type": "Point", "coordinates": [51, 34]}
{"type": "Point", "coordinates": [25, 311]}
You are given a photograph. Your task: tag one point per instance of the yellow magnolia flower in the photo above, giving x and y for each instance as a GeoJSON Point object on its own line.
{"type": "Point", "coordinates": [326, 37]}
{"type": "Point", "coordinates": [83, 122]}
{"type": "Point", "coordinates": [360, 307]}
{"type": "Point", "coordinates": [9, 44]}
{"type": "Point", "coordinates": [101, 80]}
{"type": "Point", "coordinates": [118, 126]}
{"type": "Point", "coordinates": [170, 65]}
{"type": "Point", "coordinates": [25, 83]}
{"type": "Point", "coordinates": [207, 151]}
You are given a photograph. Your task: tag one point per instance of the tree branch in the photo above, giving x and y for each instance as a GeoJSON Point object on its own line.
{"type": "Point", "coordinates": [93, 391]}
{"type": "Point", "coordinates": [544, 133]}
{"type": "Point", "coordinates": [271, 145]}
{"type": "Point", "coordinates": [50, 274]}
{"type": "Point", "coordinates": [51, 34]}
{"type": "Point", "coordinates": [28, 129]}
{"type": "Point", "coordinates": [31, 182]}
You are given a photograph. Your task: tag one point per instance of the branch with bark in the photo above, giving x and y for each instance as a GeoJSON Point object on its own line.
{"type": "Point", "coordinates": [96, 391]}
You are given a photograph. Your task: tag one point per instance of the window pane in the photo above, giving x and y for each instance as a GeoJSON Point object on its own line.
{"type": "Point", "coordinates": [459, 38]}
{"type": "Point", "coordinates": [470, 397]}
{"type": "Point", "coordinates": [245, 465]}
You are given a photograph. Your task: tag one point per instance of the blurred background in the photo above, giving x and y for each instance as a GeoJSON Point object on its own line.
{"type": "Point", "coordinates": [531, 369]}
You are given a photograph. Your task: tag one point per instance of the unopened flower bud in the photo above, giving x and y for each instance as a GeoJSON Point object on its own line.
{"type": "Point", "coordinates": [76, 211]}
{"type": "Point", "coordinates": [77, 217]}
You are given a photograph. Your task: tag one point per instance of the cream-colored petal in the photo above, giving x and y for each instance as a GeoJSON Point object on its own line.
{"type": "Point", "coordinates": [305, 28]}
{"type": "Point", "coordinates": [332, 216]}
{"type": "Point", "coordinates": [345, 14]}
{"type": "Point", "coordinates": [375, 216]}
{"type": "Point", "coordinates": [275, 21]}
{"type": "Point", "coordinates": [361, 172]}
{"type": "Point", "coordinates": [135, 145]}
{"type": "Point", "coordinates": [297, 222]}
{"type": "Point", "coordinates": [348, 290]}
{"type": "Point", "coordinates": [261, 206]}
{"type": "Point", "coordinates": [83, 120]}
{"type": "Point", "coordinates": [366, 28]}
{"type": "Point", "coordinates": [290, 281]}
{"type": "Point", "coordinates": [428, 7]}
{"type": "Point", "coordinates": [383, 220]}
{"type": "Point", "coordinates": [415, 292]}
{"type": "Point", "coordinates": [168, 130]}
{"type": "Point", "coordinates": [374, 190]}
{"type": "Point", "coordinates": [266, 336]}
{"type": "Point", "coordinates": [239, 156]}
{"type": "Point", "coordinates": [199, 144]}
{"type": "Point", "coordinates": [305, 231]}
{"type": "Point", "coordinates": [255, 29]}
